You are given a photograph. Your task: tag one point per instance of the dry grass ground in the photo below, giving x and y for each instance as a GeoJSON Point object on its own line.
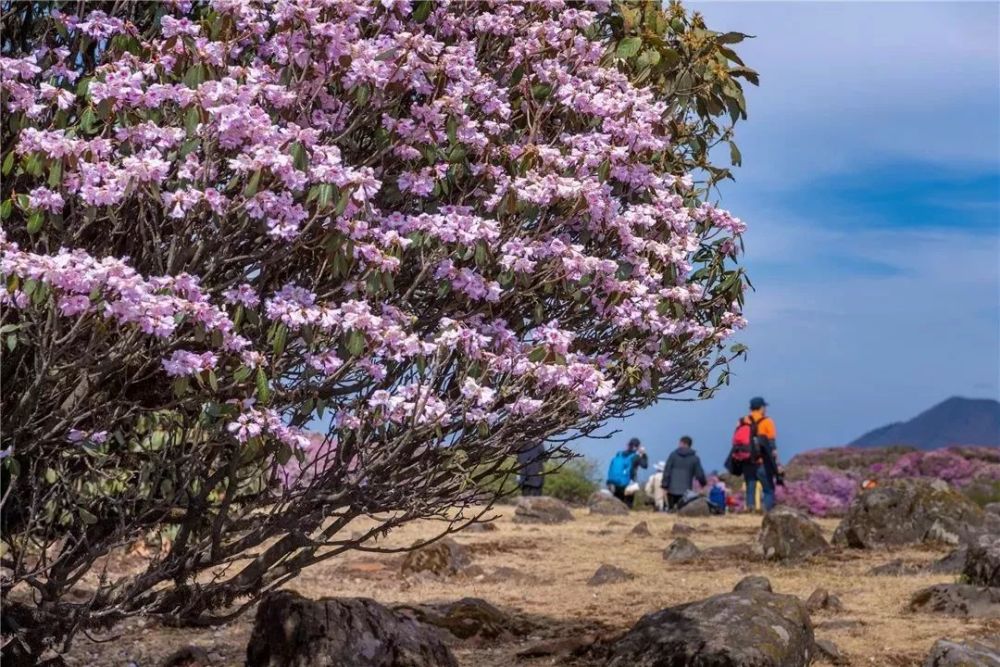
{"type": "Point", "coordinates": [541, 572]}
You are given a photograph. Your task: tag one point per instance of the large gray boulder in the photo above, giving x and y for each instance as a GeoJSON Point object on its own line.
{"type": "Point", "coordinates": [292, 631]}
{"type": "Point", "coordinates": [748, 628]}
{"type": "Point", "coordinates": [962, 600]}
{"type": "Point", "coordinates": [788, 534]}
{"type": "Point", "coordinates": [982, 561]}
{"type": "Point", "coordinates": [907, 512]}
{"type": "Point", "coordinates": [541, 509]}
{"type": "Point", "coordinates": [602, 502]}
{"type": "Point", "coordinates": [970, 653]}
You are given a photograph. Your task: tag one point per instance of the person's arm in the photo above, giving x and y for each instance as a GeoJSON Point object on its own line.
{"type": "Point", "coordinates": [639, 461]}
{"type": "Point", "coordinates": [665, 481]}
{"type": "Point", "coordinates": [699, 472]}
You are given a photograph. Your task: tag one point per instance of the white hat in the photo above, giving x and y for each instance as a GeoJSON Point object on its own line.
{"type": "Point", "coordinates": [660, 466]}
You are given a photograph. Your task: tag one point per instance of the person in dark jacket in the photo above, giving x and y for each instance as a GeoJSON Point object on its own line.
{"type": "Point", "coordinates": [683, 467]}
{"type": "Point", "coordinates": [531, 463]}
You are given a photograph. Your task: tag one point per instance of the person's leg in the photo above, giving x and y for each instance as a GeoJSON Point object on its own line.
{"type": "Point", "coordinates": [619, 492]}
{"type": "Point", "coordinates": [628, 500]}
{"type": "Point", "coordinates": [750, 479]}
{"type": "Point", "coordinates": [531, 491]}
{"type": "Point", "coordinates": [672, 500]}
{"type": "Point", "coordinates": [767, 489]}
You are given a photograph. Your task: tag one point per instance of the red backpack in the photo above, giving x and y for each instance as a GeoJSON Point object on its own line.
{"type": "Point", "coordinates": [745, 445]}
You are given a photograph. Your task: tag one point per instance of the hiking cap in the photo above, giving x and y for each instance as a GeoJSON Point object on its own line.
{"type": "Point", "coordinates": [756, 403]}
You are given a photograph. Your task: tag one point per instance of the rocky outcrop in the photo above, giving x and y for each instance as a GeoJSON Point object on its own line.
{"type": "Point", "coordinates": [963, 600]}
{"type": "Point", "coordinates": [681, 550]}
{"type": "Point", "coordinates": [749, 628]}
{"type": "Point", "coordinates": [443, 558]}
{"type": "Point", "coordinates": [982, 562]}
{"type": "Point", "coordinates": [292, 631]}
{"type": "Point", "coordinates": [609, 574]}
{"type": "Point", "coordinates": [947, 653]}
{"type": "Point", "coordinates": [907, 512]}
{"type": "Point", "coordinates": [602, 502]}
{"type": "Point", "coordinates": [787, 534]}
{"type": "Point", "coordinates": [541, 509]}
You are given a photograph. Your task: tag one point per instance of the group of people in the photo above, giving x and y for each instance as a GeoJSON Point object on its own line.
{"type": "Point", "coordinates": [753, 456]}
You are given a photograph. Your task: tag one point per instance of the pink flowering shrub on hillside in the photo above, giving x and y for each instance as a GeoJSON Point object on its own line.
{"type": "Point", "coordinates": [435, 232]}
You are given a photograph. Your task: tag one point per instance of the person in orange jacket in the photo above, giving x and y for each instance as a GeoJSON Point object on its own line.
{"type": "Point", "coordinates": [766, 469]}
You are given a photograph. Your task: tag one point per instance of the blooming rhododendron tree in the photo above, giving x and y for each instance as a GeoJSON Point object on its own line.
{"type": "Point", "coordinates": [432, 232]}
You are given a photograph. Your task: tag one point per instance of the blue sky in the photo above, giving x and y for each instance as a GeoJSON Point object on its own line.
{"type": "Point", "coordinates": [871, 186]}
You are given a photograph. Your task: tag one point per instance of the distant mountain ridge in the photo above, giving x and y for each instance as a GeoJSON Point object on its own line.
{"type": "Point", "coordinates": [956, 421]}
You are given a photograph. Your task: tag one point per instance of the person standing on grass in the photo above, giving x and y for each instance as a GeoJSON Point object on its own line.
{"type": "Point", "coordinates": [683, 467]}
{"type": "Point", "coordinates": [763, 468]}
{"type": "Point", "coordinates": [624, 468]}
{"type": "Point", "coordinates": [531, 464]}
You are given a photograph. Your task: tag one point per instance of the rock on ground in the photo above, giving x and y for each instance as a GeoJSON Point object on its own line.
{"type": "Point", "coordinates": [788, 534]}
{"type": "Point", "coordinates": [947, 653]}
{"type": "Point", "coordinates": [750, 628]}
{"type": "Point", "coordinates": [992, 508]}
{"type": "Point", "coordinates": [292, 631]}
{"type": "Point", "coordinates": [907, 512]}
{"type": "Point", "coordinates": [468, 618]}
{"type": "Point", "coordinates": [640, 529]}
{"type": "Point", "coordinates": [609, 574]}
{"type": "Point", "coordinates": [697, 507]}
{"type": "Point", "coordinates": [831, 652]}
{"type": "Point", "coordinates": [895, 568]}
{"type": "Point", "coordinates": [753, 582]}
{"type": "Point", "coordinates": [602, 502]}
{"type": "Point", "coordinates": [822, 599]}
{"type": "Point", "coordinates": [951, 563]}
{"type": "Point", "coordinates": [982, 562]}
{"type": "Point", "coordinates": [541, 509]}
{"type": "Point", "coordinates": [681, 550]}
{"type": "Point", "coordinates": [188, 656]}
{"type": "Point", "coordinates": [682, 529]}
{"type": "Point", "coordinates": [963, 600]}
{"type": "Point", "coordinates": [442, 558]}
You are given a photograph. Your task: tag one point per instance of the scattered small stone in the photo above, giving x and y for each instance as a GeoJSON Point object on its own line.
{"type": "Point", "coordinates": [894, 568]}
{"type": "Point", "coordinates": [562, 646]}
{"type": "Point", "coordinates": [831, 652]}
{"type": "Point", "coordinates": [682, 529]}
{"type": "Point", "coordinates": [641, 529]}
{"type": "Point", "coordinates": [841, 624]}
{"type": "Point", "coordinates": [609, 574]}
{"type": "Point", "coordinates": [188, 656]}
{"type": "Point", "coordinates": [681, 550]}
{"type": "Point", "coordinates": [602, 502]}
{"type": "Point", "coordinates": [541, 509]}
{"type": "Point", "coordinates": [481, 527]}
{"type": "Point", "coordinates": [822, 600]}
{"type": "Point", "coordinates": [442, 558]}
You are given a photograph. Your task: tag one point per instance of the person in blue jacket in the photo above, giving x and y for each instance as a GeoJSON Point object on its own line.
{"type": "Point", "coordinates": [624, 469]}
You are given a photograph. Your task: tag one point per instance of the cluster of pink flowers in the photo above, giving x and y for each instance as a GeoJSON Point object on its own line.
{"type": "Point", "coordinates": [244, 127]}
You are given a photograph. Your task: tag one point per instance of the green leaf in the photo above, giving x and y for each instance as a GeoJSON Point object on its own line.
{"type": "Point", "coordinates": [51, 476]}
{"type": "Point", "coordinates": [181, 386]}
{"type": "Point", "coordinates": [251, 188]}
{"type": "Point", "coordinates": [241, 374]}
{"type": "Point", "coordinates": [35, 222]}
{"type": "Point", "coordinates": [86, 516]}
{"type": "Point", "coordinates": [192, 120]}
{"type": "Point", "coordinates": [345, 197]}
{"type": "Point", "coordinates": [300, 158]}
{"type": "Point", "coordinates": [6, 208]}
{"type": "Point", "coordinates": [628, 47]}
{"type": "Point", "coordinates": [263, 389]}
{"type": "Point", "coordinates": [361, 95]}
{"type": "Point", "coordinates": [538, 354]}
{"type": "Point", "coordinates": [452, 129]}
{"type": "Point", "coordinates": [731, 38]}
{"type": "Point", "coordinates": [88, 121]}
{"type": "Point", "coordinates": [356, 343]}
{"type": "Point", "coordinates": [11, 342]}
{"type": "Point", "coordinates": [55, 174]}
{"type": "Point", "coordinates": [213, 380]}
{"type": "Point", "coordinates": [734, 155]}
{"type": "Point", "coordinates": [422, 10]}
{"type": "Point", "coordinates": [324, 196]}
{"type": "Point", "coordinates": [280, 338]}
{"type": "Point", "coordinates": [8, 164]}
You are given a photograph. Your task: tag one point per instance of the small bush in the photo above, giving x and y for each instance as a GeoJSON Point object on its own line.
{"type": "Point", "coordinates": [572, 481]}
